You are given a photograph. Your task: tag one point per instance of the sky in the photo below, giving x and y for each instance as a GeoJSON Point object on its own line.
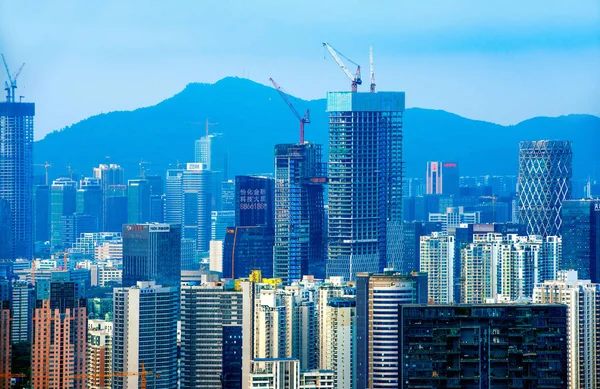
{"type": "Point", "coordinates": [498, 61]}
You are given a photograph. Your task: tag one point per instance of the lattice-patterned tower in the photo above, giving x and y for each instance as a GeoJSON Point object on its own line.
{"type": "Point", "coordinates": [545, 172]}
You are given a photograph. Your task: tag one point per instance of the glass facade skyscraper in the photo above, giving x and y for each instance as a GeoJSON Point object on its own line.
{"type": "Point", "coordinates": [545, 173]}
{"type": "Point", "coordinates": [581, 238]}
{"type": "Point", "coordinates": [365, 182]}
{"type": "Point", "coordinates": [62, 203]}
{"type": "Point", "coordinates": [16, 172]}
{"type": "Point", "coordinates": [254, 201]}
{"type": "Point", "coordinates": [299, 212]}
{"type": "Point", "coordinates": [138, 201]}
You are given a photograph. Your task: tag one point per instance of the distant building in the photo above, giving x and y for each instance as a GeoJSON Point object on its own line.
{"type": "Point", "coordinates": [58, 349]}
{"type": "Point", "coordinates": [583, 301]}
{"type": "Point", "coordinates": [6, 236]}
{"type": "Point", "coordinates": [16, 172]}
{"type": "Point", "coordinates": [157, 186]}
{"type": "Point", "coordinates": [157, 208]}
{"type": "Point", "coordinates": [188, 255]}
{"type": "Point", "coordinates": [581, 237]}
{"type": "Point", "coordinates": [216, 256]}
{"type": "Point", "coordinates": [211, 150]}
{"type": "Point", "coordinates": [477, 346]}
{"type": "Point", "coordinates": [90, 199]}
{"type": "Point", "coordinates": [365, 178]}
{"type": "Point", "coordinates": [115, 208]}
{"type": "Point", "coordinates": [413, 231]}
{"type": "Point", "coordinates": [138, 201]}
{"type": "Point", "coordinates": [377, 299]}
{"type": "Point", "coordinates": [454, 217]}
{"type": "Point", "coordinates": [220, 220]}
{"type": "Point", "coordinates": [75, 224]}
{"type": "Point", "coordinates": [145, 332]}
{"type": "Point", "coordinates": [299, 212]}
{"type": "Point", "coordinates": [152, 252]}
{"type": "Point", "coordinates": [62, 203]}
{"type": "Point", "coordinates": [99, 354]}
{"type": "Point", "coordinates": [207, 310]}
{"type": "Point", "coordinates": [228, 195]}
{"type": "Point", "coordinates": [42, 213]}
{"type": "Point", "coordinates": [442, 178]}
{"type": "Point", "coordinates": [545, 174]}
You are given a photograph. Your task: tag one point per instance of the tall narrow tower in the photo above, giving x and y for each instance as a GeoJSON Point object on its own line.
{"type": "Point", "coordinates": [16, 172]}
{"type": "Point", "coordinates": [545, 172]}
{"type": "Point", "coordinates": [365, 182]}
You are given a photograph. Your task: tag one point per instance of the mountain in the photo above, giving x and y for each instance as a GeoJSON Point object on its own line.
{"type": "Point", "coordinates": [254, 118]}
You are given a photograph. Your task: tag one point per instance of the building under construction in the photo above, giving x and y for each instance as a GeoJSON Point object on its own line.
{"type": "Point", "coordinates": [365, 182]}
{"type": "Point", "coordinates": [299, 212]}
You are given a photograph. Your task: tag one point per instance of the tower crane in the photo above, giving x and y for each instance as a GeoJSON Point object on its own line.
{"type": "Point", "coordinates": [356, 80]}
{"type": "Point", "coordinates": [372, 89]}
{"type": "Point", "coordinates": [45, 165]}
{"type": "Point", "coordinates": [303, 119]}
{"type": "Point", "coordinates": [11, 85]}
{"type": "Point", "coordinates": [142, 170]}
{"type": "Point", "coordinates": [142, 374]}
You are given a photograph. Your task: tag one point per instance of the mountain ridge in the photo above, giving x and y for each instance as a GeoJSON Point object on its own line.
{"type": "Point", "coordinates": [254, 118]}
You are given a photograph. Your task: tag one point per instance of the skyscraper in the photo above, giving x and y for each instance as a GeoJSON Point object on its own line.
{"type": "Point", "coordinates": [377, 300]}
{"type": "Point", "coordinates": [6, 236]}
{"type": "Point", "coordinates": [152, 252]}
{"type": "Point", "coordinates": [41, 213]}
{"type": "Point", "coordinates": [62, 203]}
{"type": "Point", "coordinates": [211, 150]}
{"type": "Point", "coordinates": [246, 249]}
{"type": "Point", "coordinates": [22, 305]}
{"type": "Point", "coordinates": [545, 172]}
{"type": "Point", "coordinates": [145, 332]}
{"type": "Point", "coordinates": [115, 208]}
{"type": "Point", "coordinates": [138, 201]}
{"type": "Point", "coordinates": [90, 199]}
{"type": "Point", "coordinates": [581, 238]}
{"type": "Point", "coordinates": [482, 346]}
{"type": "Point", "coordinates": [299, 212]}
{"type": "Point", "coordinates": [58, 349]}
{"type": "Point", "coordinates": [442, 178]}
{"type": "Point", "coordinates": [249, 212]}
{"type": "Point", "coordinates": [206, 309]}
{"type": "Point", "coordinates": [16, 172]}
{"type": "Point", "coordinates": [583, 334]}
{"type": "Point", "coordinates": [365, 182]}
{"type": "Point", "coordinates": [437, 260]}
{"type": "Point", "coordinates": [109, 175]}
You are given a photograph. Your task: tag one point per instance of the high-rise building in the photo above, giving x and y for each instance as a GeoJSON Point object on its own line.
{"type": "Point", "coordinates": [482, 346]}
{"type": "Point", "coordinates": [228, 195]}
{"type": "Point", "coordinates": [145, 332]}
{"type": "Point", "coordinates": [246, 249]}
{"type": "Point", "coordinates": [6, 236]}
{"type": "Point", "coordinates": [152, 252]}
{"type": "Point", "coordinates": [16, 172]}
{"type": "Point", "coordinates": [109, 175]}
{"type": "Point", "coordinates": [365, 182]}
{"type": "Point", "coordinates": [58, 349]}
{"type": "Point", "coordinates": [138, 201]}
{"type": "Point", "coordinates": [99, 354]}
{"type": "Point", "coordinates": [41, 213]}
{"type": "Point", "coordinates": [232, 357]}
{"type": "Point", "coordinates": [220, 220]}
{"type": "Point", "coordinates": [299, 212]}
{"type": "Point", "coordinates": [5, 332]}
{"type": "Point", "coordinates": [338, 341]}
{"type": "Point", "coordinates": [75, 224]}
{"type": "Point", "coordinates": [62, 203]}
{"type": "Point", "coordinates": [157, 208]}
{"type": "Point", "coordinates": [22, 305]}
{"type": "Point", "coordinates": [188, 255]}
{"type": "Point", "coordinates": [157, 186]}
{"type": "Point", "coordinates": [254, 201]}
{"type": "Point", "coordinates": [377, 299]}
{"type": "Point", "coordinates": [211, 150]}
{"type": "Point", "coordinates": [581, 238]}
{"type": "Point", "coordinates": [545, 173]}
{"type": "Point", "coordinates": [115, 208]}
{"type": "Point", "coordinates": [437, 260]}
{"type": "Point", "coordinates": [188, 202]}
{"type": "Point", "coordinates": [442, 178]}
{"type": "Point", "coordinates": [413, 231]}
{"type": "Point", "coordinates": [583, 333]}
{"type": "Point", "coordinates": [206, 309]}
{"type": "Point", "coordinates": [90, 199]}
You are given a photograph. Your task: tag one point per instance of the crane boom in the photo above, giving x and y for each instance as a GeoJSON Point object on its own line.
{"type": "Point", "coordinates": [303, 119]}
{"type": "Point", "coordinates": [356, 78]}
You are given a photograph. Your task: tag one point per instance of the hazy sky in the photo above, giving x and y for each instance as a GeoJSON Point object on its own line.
{"type": "Point", "coordinates": [500, 61]}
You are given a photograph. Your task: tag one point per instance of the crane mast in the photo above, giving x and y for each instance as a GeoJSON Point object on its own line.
{"type": "Point", "coordinates": [11, 85]}
{"type": "Point", "coordinates": [303, 119]}
{"type": "Point", "coordinates": [356, 78]}
{"type": "Point", "coordinates": [372, 89]}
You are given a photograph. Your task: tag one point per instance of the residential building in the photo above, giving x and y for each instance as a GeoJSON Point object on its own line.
{"type": "Point", "coordinates": [413, 231]}
{"type": "Point", "coordinates": [437, 260]}
{"type": "Point", "coordinates": [364, 182]}
{"type": "Point", "coordinates": [299, 213]}
{"type": "Point", "coordinates": [583, 332]}
{"type": "Point", "coordinates": [99, 354]}
{"type": "Point", "coordinates": [545, 174]}
{"type": "Point", "coordinates": [145, 334]}
{"type": "Point", "coordinates": [207, 309]}
{"type": "Point", "coordinates": [152, 252]}
{"type": "Point", "coordinates": [16, 172]}
{"type": "Point", "coordinates": [581, 238]}
{"type": "Point", "coordinates": [377, 299]}
{"type": "Point", "coordinates": [58, 348]}
{"type": "Point", "coordinates": [338, 341]}
{"type": "Point", "coordinates": [482, 346]}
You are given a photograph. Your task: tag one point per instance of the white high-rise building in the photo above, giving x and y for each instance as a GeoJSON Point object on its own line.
{"type": "Point", "coordinates": [437, 260]}
{"type": "Point", "coordinates": [99, 354]}
{"type": "Point", "coordinates": [583, 331]}
{"type": "Point", "coordinates": [338, 341]}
